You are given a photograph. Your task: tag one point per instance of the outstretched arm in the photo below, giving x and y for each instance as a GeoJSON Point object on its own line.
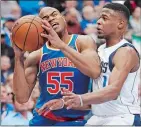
{"type": "Point", "coordinates": [124, 64]}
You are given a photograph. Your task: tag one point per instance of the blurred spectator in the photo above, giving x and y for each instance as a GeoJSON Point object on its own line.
{"type": "Point", "coordinates": [34, 8]}
{"type": "Point", "coordinates": [73, 25]}
{"type": "Point", "coordinates": [20, 116]}
{"type": "Point", "coordinates": [5, 106]}
{"type": "Point", "coordinates": [7, 50]}
{"type": "Point", "coordinates": [2, 36]}
{"type": "Point", "coordinates": [7, 7]}
{"type": "Point", "coordinates": [88, 23]}
{"type": "Point", "coordinates": [5, 68]}
{"type": "Point", "coordinates": [70, 4]}
{"type": "Point", "coordinates": [16, 12]}
{"type": "Point", "coordinates": [135, 20]}
{"type": "Point", "coordinates": [88, 3]}
{"type": "Point", "coordinates": [131, 4]}
{"type": "Point", "coordinates": [58, 4]}
{"type": "Point", "coordinates": [7, 26]}
{"type": "Point", "coordinates": [98, 2]}
{"type": "Point", "coordinates": [9, 83]}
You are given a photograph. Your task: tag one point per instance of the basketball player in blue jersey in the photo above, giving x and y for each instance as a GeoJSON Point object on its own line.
{"type": "Point", "coordinates": [65, 61]}
{"type": "Point", "coordinates": [115, 97]}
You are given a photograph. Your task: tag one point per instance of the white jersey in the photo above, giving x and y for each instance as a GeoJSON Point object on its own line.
{"type": "Point", "coordinates": [127, 101]}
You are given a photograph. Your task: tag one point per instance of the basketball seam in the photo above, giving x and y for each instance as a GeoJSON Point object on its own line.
{"type": "Point", "coordinates": [38, 36]}
{"type": "Point", "coordinates": [34, 20]}
{"type": "Point", "coordinates": [19, 28]}
{"type": "Point", "coordinates": [27, 32]}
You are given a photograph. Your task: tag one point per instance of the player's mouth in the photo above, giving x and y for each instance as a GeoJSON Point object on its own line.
{"type": "Point", "coordinates": [54, 25]}
{"type": "Point", "coordinates": [99, 31]}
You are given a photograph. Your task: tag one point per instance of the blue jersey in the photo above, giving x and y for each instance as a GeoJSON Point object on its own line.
{"type": "Point", "coordinates": [56, 71]}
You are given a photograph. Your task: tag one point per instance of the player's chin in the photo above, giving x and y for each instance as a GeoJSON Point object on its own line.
{"type": "Point", "coordinates": [57, 30]}
{"type": "Point", "coordinates": [100, 36]}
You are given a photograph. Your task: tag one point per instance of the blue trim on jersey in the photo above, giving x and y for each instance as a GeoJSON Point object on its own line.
{"type": "Point", "coordinates": [71, 44]}
{"type": "Point", "coordinates": [137, 120]}
{"type": "Point", "coordinates": [111, 65]}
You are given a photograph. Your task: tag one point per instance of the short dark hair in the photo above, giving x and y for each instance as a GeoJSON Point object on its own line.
{"type": "Point", "coordinates": [122, 9]}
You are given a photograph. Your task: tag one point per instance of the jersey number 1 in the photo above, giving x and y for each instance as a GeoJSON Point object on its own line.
{"type": "Point", "coordinates": [55, 88]}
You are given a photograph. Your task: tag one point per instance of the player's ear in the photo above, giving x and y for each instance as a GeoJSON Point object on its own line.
{"type": "Point", "coordinates": [63, 18]}
{"type": "Point", "coordinates": [121, 25]}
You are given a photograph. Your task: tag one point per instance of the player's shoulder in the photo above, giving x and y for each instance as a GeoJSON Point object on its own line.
{"type": "Point", "coordinates": [127, 51]}
{"type": "Point", "coordinates": [126, 54]}
{"type": "Point", "coordinates": [86, 40]}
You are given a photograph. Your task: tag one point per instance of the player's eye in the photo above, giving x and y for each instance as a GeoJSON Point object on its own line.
{"type": "Point", "coordinates": [54, 14]}
{"type": "Point", "coordinates": [46, 18]}
{"type": "Point", "coordinates": [105, 18]}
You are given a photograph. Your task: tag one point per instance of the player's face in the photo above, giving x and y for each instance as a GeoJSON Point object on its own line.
{"type": "Point", "coordinates": [54, 17]}
{"type": "Point", "coordinates": [107, 23]}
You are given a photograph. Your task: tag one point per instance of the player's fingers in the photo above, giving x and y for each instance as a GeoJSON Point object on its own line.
{"type": "Point", "coordinates": [67, 93]}
{"type": "Point", "coordinates": [66, 98]}
{"type": "Point", "coordinates": [69, 102]}
{"type": "Point", "coordinates": [70, 106]}
{"type": "Point", "coordinates": [43, 108]}
{"type": "Point", "coordinates": [46, 23]}
{"type": "Point", "coordinates": [45, 35]}
{"type": "Point", "coordinates": [48, 29]}
{"type": "Point", "coordinates": [54, 107]}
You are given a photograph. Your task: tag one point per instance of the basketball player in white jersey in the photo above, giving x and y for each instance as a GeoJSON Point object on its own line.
{"type": "Point", "coordinates": [114, 98]}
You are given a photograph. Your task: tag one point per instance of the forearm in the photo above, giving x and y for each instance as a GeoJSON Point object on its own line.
{"type": "Point", "coordinates": [106, 94]}
{"type": "Point", "coordinates": [87, 65]}
{"type": "Point", "coordinates": [85, 107]}
{"type": "Point", "coordinates": [20, 85]}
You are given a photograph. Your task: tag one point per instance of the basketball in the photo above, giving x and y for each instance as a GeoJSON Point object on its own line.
{"type": "Point", "coordinates": [26, 33]}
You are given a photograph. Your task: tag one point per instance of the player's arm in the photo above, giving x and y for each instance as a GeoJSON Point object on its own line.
{"type": "Point", "coordinates": [24, 74]}
{"type": "Point", "coordinates": [125, 61]}
{"type": "Point", "coordinates": [85, 107]}
{"type": "Point", "coordinates": [86, 60]}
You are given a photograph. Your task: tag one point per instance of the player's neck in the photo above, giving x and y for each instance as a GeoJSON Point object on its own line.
{"type": "Point", "coordinates": [66, 38]}
{"type": "Point", "coordinates": [113, 41]}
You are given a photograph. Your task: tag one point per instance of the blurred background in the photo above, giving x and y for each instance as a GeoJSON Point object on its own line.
{"type": "Point", "coordinates": [81, 17]}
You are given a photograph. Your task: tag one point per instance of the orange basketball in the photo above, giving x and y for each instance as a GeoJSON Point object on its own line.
{"type": "Point", "coordinates": [26, 33]}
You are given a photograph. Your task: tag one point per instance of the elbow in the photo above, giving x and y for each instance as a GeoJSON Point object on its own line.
{"type": "Point", "coordinates": [114, 94]}
{"type": "Point", "coordinates": [95, 72]}
{"type": "Point", "coordinates": [21, 100]}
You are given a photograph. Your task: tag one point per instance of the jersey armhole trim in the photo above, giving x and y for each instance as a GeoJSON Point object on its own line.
{"type": "Point", "coordinates": [76, 45]}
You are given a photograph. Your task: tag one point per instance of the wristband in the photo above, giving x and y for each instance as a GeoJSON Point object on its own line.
{"type": "Point", "coordinates": [63, 103]}
{"type": "Point", "coordinates": [81, 101]}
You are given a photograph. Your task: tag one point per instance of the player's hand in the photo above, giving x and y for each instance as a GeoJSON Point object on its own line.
{"type": "Point", "coordinates": [71, 100]}
{"type": "Point", "coordinates": [18, 52]}
{"type": "Point", "coordinates": [51, 105]}
{"type": "Point", "coordinates": [52, 36]}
